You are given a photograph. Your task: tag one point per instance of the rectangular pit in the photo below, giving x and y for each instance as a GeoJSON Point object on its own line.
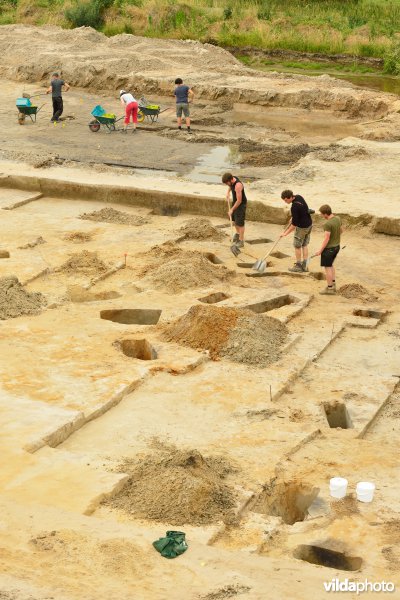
{"type": "Point", "coordinates": [369, 313]}
{"type": "Point", "coordinates": [132, 316]}
{"type": "Point", "coordinates": [337, 415]}
{"type": "Point", "coordinates": [272, 303]}
{"type": "Point", "coordinates": [259, 241]}
{"type": "Point", "coordinates": [214, 298]}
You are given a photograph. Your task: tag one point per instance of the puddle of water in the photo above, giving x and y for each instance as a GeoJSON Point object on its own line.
{"type": "Point", "coordinates": [212, 165]}
{"type": "Point", "coordinates": [209, 168]}
{"type": "Point", "coordinates": [310, 124]}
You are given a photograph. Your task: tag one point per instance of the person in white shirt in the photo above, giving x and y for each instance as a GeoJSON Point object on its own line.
{"type": "Point", "coordinates": [131, 109]}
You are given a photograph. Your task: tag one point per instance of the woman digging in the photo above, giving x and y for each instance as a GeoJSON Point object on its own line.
{"type": "Point", "coordinates": [131, 109]}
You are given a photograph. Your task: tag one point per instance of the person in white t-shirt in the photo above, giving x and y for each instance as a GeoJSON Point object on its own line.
{"type": "Point", "coordinates": [131, 109]}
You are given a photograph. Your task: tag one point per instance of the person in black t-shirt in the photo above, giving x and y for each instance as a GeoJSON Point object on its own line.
{"type": "Point", "coordinates": [237, 211]}
{"type": "Point", "coordinates": [57, 86]}
{"type": "Point", "coordinates": [301, 224]}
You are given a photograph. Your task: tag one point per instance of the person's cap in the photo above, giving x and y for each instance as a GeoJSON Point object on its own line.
{"type": "Point", "coordinates": [122, 92]}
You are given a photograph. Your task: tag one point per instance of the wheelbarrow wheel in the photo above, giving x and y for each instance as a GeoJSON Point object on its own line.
{"type": "Point", "coordinates": [140, 116]}
{"type": "Point", "coordinates": [94, 126]}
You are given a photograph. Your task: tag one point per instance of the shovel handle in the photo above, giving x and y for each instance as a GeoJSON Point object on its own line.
{"type": "Point", "coordinates": [230, 218]}
{"type": "Point", "coordinates": [270, 250]}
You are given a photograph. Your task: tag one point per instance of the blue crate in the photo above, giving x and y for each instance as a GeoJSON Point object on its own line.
{"type": "Point", "coordinates": [23, 102]}
{"type": "Point", "coordinates": [98, 111]}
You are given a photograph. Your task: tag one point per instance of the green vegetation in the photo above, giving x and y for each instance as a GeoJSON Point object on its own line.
{"type": "Point", "coordinates": [355, 27]}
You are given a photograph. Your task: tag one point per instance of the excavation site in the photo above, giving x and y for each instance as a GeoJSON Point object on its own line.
{"type": "Point", "coordinates": [157, 375]}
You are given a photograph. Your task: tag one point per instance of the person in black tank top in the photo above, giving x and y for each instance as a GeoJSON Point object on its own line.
{"type": "Point", "coordinates": [237, 210]}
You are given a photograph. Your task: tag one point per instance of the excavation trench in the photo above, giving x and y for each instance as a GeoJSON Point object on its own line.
{"type": "Point", "coordinates": [132, 316]}
{"type": "Point", "coordinates": [288, 500]}
{"type": "Point", "coordinates": [140, 349]}
{"type": "Point", "coordinates": [368, 313]}
{"type": "Point", "coordinates": [337, 415]}
{"type": "Point", "coordinates": [214, 298]}
{"type": "Point", "coordinates": [271, 304]}
{"type": "Point", "coordinates": [317, 555]}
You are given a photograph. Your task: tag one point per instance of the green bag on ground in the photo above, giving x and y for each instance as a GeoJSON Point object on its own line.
{"type": "Point", "coordinates": [172, 545]}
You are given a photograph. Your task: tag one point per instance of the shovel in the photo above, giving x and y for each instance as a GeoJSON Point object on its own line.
{"type": "Point", "coordinates": [234, 249]}
{"type": "Point", "coordinates": [261, 263]}
{"type": "Point", "coordinates": [26, 95]}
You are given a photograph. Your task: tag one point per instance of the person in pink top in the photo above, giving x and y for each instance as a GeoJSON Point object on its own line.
{"type": "Point", "coordinates": [131, 109]}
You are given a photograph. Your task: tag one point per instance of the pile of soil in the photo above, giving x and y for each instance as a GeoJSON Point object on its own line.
{"type": "Point", "coordinates": [85, 262]}
{"type": "Point", "coordinates": [164, 251]}
{"type": "Point", "coordinates": [228, 591]}
{"type": "Point", "coordinates": [337, 153]}
{"type": "Point", "coordinates": [110, 215]}
{"type": "Point", "coordinates": [356, 290]}
{"type": "Point", "coordinates": [78, 236]}
{"type": "Point", "coordinates": [261, 155]}
{"type": "Point", "coordinates": [236, 334]}
{"type": "Point", "coordinates": [177, 487]}
{"type": "Point", "coordinates": [16, 301]}
{"type": "Point", "coordinates": [185, 271]}
{"type": "Point", "coordinates": [200, 229]}
{"type": "Point", "coordinates": [36, 242]}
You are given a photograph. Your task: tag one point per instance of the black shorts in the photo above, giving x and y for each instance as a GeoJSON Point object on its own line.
{"type": "Point", "coordinates": [239, 215]}
{"type": "Point", "coordinates": [328, 256]}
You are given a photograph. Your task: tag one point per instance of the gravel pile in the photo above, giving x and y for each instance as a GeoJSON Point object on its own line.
{"type": "Point", "coordinates": [110, 215]}
{"type": "Point", "coordinates": [236, 334]}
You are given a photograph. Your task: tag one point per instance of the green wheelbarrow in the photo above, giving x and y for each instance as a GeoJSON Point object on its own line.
{"type": "Point", "coordinates": [26, 109]}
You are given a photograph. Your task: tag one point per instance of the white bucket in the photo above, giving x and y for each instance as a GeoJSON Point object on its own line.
{"type": "Point", "coordinates": [338, 487]}
{"type": "Point", "coordinates": [365, 491]}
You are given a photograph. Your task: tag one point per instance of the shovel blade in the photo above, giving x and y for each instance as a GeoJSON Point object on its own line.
{"type": "Point", "coordinates": [262, 266]}
{"type": "Point", "coordinates": [235, 250]}
{"type": "Point", "coordinates": [257, 264]}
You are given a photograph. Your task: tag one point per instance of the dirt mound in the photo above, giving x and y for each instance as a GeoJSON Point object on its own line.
{"type": "Point", "coordinates": [36, 242]}
{"type": "Point", "coordinates": [356, 290]}
{"type": "Point", "coordinates": [337, 153]}
{"type": "Point", "coordinates": [84, 262]}
{"type": "Point", "coordinates": [185, 271]}
{"type": "Point", "coordinates": [78, 237]}
{"type": "Point", "coordinates": [177, 487]}
{"type": "Point", "coordinates": [228, 591]}
{"type": "Point", "coordinates": [262, 155]}
{"type": "Point", "coordinates": [236, 334]}
{"type": "Point", "coordinates": [16, 301]}
{"type": "Point", "coordinates": [110, 215]}
{"type": "Point", "coordinates": [200, 229]}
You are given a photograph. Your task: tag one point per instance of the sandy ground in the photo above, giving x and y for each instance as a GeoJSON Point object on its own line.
{"type": "Point", "coordinates": [86, 401]}
{"type": "Point", "coordinates": [66, 370]}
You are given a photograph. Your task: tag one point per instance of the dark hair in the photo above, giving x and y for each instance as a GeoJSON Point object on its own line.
{"type": "Point", "coordinates": [325, 209]}
{"type": "Point", "coordinates": [178, 81]}
{"type": "Point", "coordinates": [227, 177]}
{"type": "Point", "coordinates": [56, 75]}
{"type": "Point", "coordinates": [286, 194]}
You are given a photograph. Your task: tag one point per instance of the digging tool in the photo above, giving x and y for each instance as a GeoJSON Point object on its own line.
{"type": "Point", "coordinates": [261, 263]}
{"type": "Point", "coordinates": [234, 249]}
{"type": "Point", "coordinates": [26, 95]}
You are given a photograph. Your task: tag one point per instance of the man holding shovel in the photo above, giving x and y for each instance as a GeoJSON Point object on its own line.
{"type": "Point", "coordinates": [301, 225]}
{"type": "Point", "coordinates": [236, 212]}
{"type": "Point", "coordinates": [57, 86]}
{"type": "Point", "coordinates": [330, 247]}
